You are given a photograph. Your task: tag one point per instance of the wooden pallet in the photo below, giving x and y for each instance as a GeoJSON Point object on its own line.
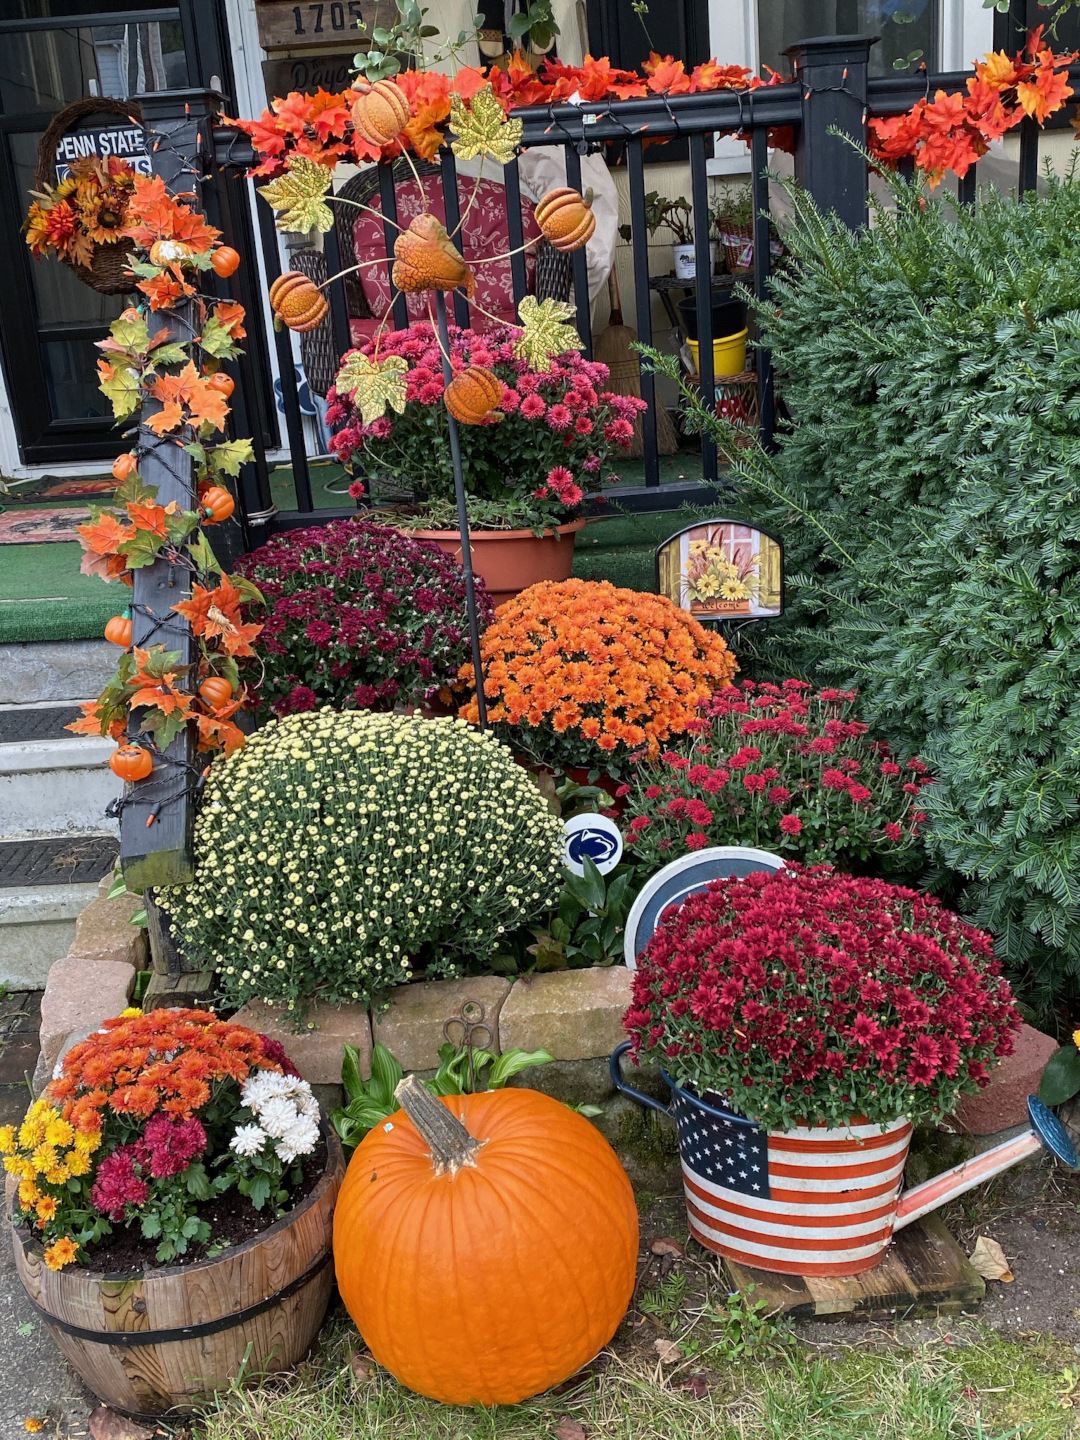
{"type": "Point", "coordinates": [925, 1273]}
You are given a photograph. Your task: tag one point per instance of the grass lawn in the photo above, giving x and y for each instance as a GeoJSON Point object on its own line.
{"type": "Point", "coordinates": [691, 1362]}
{"type": "Point", "coordinates": [964, 1384]}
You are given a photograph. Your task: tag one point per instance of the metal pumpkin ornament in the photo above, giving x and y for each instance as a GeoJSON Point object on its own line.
{"type": "Point", "coordinates": [485, 1245]}
{"type": "Point", "coordinates": [566, 219]}
{"type": "Point", "coordinates": [472, 397]}
{"type": "Point", "coordinates": [297, 301]}
{"type": "Point", "coordinates": [380, 112]}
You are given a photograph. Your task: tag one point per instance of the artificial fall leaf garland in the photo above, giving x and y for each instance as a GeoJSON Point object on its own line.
{"type": "Point", "coordinates": [188, 406]}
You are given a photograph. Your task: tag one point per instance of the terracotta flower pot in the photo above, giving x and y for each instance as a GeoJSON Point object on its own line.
{"type": "Point", "coordinates": [511, 560]}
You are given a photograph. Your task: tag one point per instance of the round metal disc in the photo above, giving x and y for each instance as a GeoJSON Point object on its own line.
{"type": "Point", "coordinates": [1051, 1131]}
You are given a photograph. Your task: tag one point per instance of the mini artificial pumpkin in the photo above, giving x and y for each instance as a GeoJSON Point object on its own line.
{"type": "Point", "coordinates": [170, 252]}
{"type": "Point", "coordinates": [297, 301]}
{"type": "Point", "coordinates": [473, 394]}
{"type": "Point", "coordinates": [225, 261]}
{"type": "Point", "coordinates": [566, 218]}
{"type": "Point", "coordinates": [425, 258]}
{"type": "Point", "coordinates": [118, 630]}
{"type": "Point", "coordinates": [485, 1245]}
{"type": "Point", "coordinates": [380, 112]}
{"type": "Point", "coordinates": [217, 504]}
{"type": "Point", "coordinates": [223, 383]}
{"type": "Point", "coordinates": [216, 691]}
{"type": "Point", "coordinates": [131, 762]}
{"type": "Point", "coordinates": [123, 466]}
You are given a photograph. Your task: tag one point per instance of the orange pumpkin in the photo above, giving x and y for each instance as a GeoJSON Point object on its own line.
{"type": "Point", "coordinates": [380, 112]}
{"type": "Point", "coordinates": [131, 762]}
{"type": "Point", "coordinates": [118, 630]}
{"type": "Point", "coordinates": [217, 504]}
{"type": "Point", "coordinates": [485, 1245]}
{"type": "Point", "coordinates": [297, 301]}
{"type": "Point", "coordinates": [216, 691]}
{"type": "Point", "coordinates": [223, 383]}
{"type": "Point", "coordinates": [123, 466]}
{"type": "Point", "coordinates": [472, 395]}
{"type": "Point", "coordinates": [225, 261]}
{"type": "Point", "coordinates": [425, 258]}
{"type": "Point", "coordinates": [566, 218]}
{"type": "Point", "coordinates": [171, 252]}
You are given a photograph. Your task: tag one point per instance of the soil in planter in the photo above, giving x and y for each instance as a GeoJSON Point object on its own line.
{"type": "Point", "coordinates": [232, 1219]}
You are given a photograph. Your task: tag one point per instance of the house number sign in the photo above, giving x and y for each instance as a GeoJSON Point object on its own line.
{"type": "Point", "coordinates": [317, 22]}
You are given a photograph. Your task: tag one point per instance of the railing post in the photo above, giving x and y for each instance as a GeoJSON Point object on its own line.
{"type": "Point", "coordinates": [832, 71]}
{"type": "Point", "coordinates": [159, 813]}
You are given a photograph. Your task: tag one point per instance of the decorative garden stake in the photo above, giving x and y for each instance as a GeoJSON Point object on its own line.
{"type": "Point", "coordinates": [463, 519]}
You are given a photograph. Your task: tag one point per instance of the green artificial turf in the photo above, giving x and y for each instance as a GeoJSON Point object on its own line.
{"type": "Point", "coordinates": [44, 597]}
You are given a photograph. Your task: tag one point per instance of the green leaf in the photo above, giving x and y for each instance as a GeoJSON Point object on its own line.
{"type": "Point", "coordinates": [386, 1075]}
{"type": "Point", "coordinates": [169, 355]}
{"type": "Point", "coordinates": [350, 1074]}
{"type": "Point", "coordinates": [588, 889]}
{"type": "Point", "coordinates": [199, 549]}
{"type": "Point", "coordinates": [26, 1328]}
{"type": "Point", "coordinates": [215, 338]}
{"type": "Point", "coordinates": [121, 390]}
{"type": "Point", "coordinates": [297, 196]}
{"type": "Point", "coordinates": [1061, 1078]}
{"type": "Point", "coordinates": [512, 1062]}
{"type": "Point", "coordinates": [590, 1112]}
{"type": "Point", "coordinates": [151, 1227]}
{"type": "Point", "coordinates": [118, 887]}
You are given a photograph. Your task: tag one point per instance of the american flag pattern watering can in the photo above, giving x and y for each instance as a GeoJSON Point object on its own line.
{"type": "Point", "coordinates": [814, 1201]}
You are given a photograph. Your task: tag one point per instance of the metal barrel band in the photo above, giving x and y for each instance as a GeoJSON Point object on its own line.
{"type": "Point", "coordinates": [133, 1338]}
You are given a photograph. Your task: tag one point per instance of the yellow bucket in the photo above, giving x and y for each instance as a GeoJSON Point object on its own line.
{"type": "Point", "coordinates": [728, 355]}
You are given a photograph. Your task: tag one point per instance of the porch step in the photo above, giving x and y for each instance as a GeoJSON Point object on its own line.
{"type": "Point", "coordinates": [37, 927]}
{"type": "Point", "coordinates": [52, 782]}
{"type": "Point", "coordinates": [34, 672]}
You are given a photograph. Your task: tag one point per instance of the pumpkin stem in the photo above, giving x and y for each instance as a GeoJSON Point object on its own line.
{"type": "Point", "coordinates": [450, 1143]}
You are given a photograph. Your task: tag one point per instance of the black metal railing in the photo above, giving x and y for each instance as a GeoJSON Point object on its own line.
{"type": "Point", "coordinates": [828, 101]}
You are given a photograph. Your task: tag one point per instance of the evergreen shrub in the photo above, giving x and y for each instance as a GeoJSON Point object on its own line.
{"type": "Point", "coordinates": [928, 491]}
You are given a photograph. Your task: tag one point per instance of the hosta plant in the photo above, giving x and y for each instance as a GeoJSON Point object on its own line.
{"type": "Point", "coordinates": [807, 997]}
{"type": "Point", "coordinates": [340, 853]}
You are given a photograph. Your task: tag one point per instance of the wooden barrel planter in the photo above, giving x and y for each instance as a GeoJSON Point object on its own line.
{"type": "Point", "coordinates": [160, 1340]}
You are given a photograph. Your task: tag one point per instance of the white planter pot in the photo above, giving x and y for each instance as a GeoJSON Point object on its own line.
{"type": "Point", "coordinates": [686, 264]}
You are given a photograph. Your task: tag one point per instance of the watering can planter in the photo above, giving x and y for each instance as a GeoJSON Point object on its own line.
{"type": "Point", "coordinates": [815, 1201]}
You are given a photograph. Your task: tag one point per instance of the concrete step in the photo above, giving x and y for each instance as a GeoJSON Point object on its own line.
{"type": "Point", "coordinates": [33, 672]}
{"type": "Point", "coordinates": [37, 926]}
{"type": "Point", "coordinates": [55, 785]}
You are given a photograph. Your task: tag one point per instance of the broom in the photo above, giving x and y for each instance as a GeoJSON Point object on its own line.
{"type": "Point", "coordinates": [613, 347]}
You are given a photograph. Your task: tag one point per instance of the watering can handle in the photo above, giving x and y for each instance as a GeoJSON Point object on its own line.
{"type": "Point", "coordinates": [620, 1083]}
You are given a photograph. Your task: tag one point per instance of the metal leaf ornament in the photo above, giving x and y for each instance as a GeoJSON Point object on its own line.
{"type": "Point", "coordinates": [484, 128]}
{"type": "Point", "coordinates": [373, 384]}
{"type": "Point", "coordinates": [544, 333]}
{"type": "Point", "coordinates": [297, 196]}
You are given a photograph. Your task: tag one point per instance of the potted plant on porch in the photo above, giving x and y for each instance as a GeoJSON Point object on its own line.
{"type": "Point", "coordinates": [172, 1212]}
{"type": "Point", "coordinates": [807, 1019]}
{"type": "Point", "coordinates": [542, 445]}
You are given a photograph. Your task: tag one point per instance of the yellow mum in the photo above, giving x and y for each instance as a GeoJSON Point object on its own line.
{"type": "Point", "coordinates": [46, 1208]}
{"type": "Point", "coordinates": [1076, 1038]}
{"type": "Point", "coordinates": [7, 1139]}
{"type": "Point", "coordinates": [19, 1166]}
{"type": "Point", "coordinates": [29, 1194]}
{"type": "Point", "coordinates": [59, 1132]}
{"type": "Point", "coordinates": [78, 1163]}
{"type": "Point", "coordinates": [131, 1013]}
{"type": "Point", "coordinates": [58, 1175]}
{"type": "Point", "coordinates": [31, 1133]}
{"type": "Point", "coordinates": [86, 1144]}
{"type": "Point", "coordinates": [44, 1158]}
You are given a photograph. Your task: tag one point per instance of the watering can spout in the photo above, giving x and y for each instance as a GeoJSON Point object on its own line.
{"type": "Point", "coordinates": [1047, 1132]}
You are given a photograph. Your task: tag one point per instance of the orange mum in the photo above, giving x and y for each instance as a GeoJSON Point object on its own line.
{"type": "Point", "coordinates": [584, 673]}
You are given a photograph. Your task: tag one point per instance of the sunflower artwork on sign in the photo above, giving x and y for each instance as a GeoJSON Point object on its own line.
{"type": "Point", "coordinates": [722, 569]}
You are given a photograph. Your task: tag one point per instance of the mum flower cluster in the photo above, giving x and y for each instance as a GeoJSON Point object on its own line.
{"type": "Point", "coordinates": [787, 768]}
{"type": "Point", "coordinates": [127, 1127]}
{"type": "Point", "coordinates": [583, 673]}
{"type": "Point", "coordinates": [807, 997]}
{"type": "Point", "coordinates": [339, 853]}
{"type": "Point", "coordinates": [285, 1117]}
{"type": "Point", "coordinates": [357, 615]}
{"type": "Point", "coordinates": [551, 447]}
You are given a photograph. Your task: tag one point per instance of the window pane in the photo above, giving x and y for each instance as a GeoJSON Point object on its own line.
{"type": "Point", "coordinates": [43, 9]}
{"type": "Point", "coordinates": [903, 26]}
{"type": "Point", "coordinates": [45, 69]}
{"type": "Point", "coordinates": [71, 380]}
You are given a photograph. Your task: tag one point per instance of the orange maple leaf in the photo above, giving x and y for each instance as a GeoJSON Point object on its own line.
{"type": "Point", "coordinates": [217, 613]}
{"type": "Point", "coordinates": [666, 75]}
{"type": "Point", "coordinates": [468, 81]}
{"type": "Point", "coordinates": [163, 291]}
{"type": "Point", "coordinates": [191, 392]}
{"type": "Point", "coordinates": [215, 733]}
{"type": "Point", "coordinates": [105, 535]}
{"type": "Point", "coordinates": [423, 136]}
{"type": "Point", "coordinates": [1047, 92]}
{"type": "Point", "coordinates": [230, 316]}
{"type": "Point", "coordinates": [92, 719]}
{"type": "Point", "coordinates": [154, 214]}
{"type": "Point", "coordinates": [996, 69]}
{"type": "Point", "coordinates": [150, 517]}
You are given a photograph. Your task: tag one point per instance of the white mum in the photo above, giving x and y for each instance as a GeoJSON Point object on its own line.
{"type": "Point", "coordinates": [286, 1110]}
{"type": "Point", "coordinates": [248, 1140]}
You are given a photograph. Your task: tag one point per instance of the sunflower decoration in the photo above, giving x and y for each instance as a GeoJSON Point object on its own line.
{"type": "Point", "coordinates": [86, 209]}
